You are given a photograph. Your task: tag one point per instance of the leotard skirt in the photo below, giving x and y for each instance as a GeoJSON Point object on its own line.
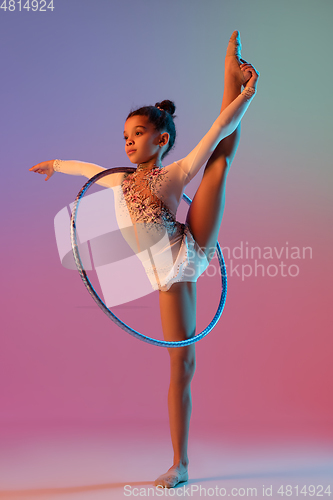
{"type": "Point", "coordinates": [188, 265]}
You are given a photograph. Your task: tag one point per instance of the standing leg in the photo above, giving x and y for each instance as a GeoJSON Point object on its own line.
{"type": "Point", "coordinates": [178, 315]}
{"type": "Point", "coordinates": [178, 304]}
{"type": "Point", "coordinates": [205, 213]}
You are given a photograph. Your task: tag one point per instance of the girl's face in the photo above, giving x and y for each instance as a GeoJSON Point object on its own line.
{"type": "Point", "coordinates": [143, 141]}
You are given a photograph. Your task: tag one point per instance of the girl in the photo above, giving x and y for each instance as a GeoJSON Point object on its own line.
{"type": "Point", "coordinates": [149, 198]}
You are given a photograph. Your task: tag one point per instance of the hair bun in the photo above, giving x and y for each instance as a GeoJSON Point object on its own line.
{"type": "Point", "coordinates": [166, 105]}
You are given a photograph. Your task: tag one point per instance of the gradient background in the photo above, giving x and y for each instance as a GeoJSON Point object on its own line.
{"type": "Point", "coordinates": [68, 80]}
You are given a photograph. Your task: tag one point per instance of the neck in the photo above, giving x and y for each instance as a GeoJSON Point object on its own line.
{"type": "Point", "coordinates": [150, 164]}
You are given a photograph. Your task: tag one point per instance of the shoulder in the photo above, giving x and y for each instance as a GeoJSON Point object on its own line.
{"type": "Point", "coordinates": [175, 174]}
{"type": "Point", "coordinates": [175, 166]}
{"type": "Point", "coordinates": [179, 169]}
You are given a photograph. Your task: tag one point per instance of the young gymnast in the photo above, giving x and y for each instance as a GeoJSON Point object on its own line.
{"type": "Point", "coordinates": [148, 200]}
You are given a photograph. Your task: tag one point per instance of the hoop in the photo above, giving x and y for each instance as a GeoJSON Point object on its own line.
{"type": "Point", "coordinates": [100, 303]}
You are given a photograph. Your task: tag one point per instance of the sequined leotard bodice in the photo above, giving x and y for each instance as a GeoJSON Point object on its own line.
{"type": "Point", "coordinates": [154, 233]}
{"type": "Point", "coordinates": [139, 189]}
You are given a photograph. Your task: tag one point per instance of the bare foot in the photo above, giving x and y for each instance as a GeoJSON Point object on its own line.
{"type": "Point", "coordinates": [175, 475]}
{"type": "Point", "coordinates": [233, 60]}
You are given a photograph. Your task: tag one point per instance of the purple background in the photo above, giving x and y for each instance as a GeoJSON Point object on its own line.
{"type": "Point", "coordinates": [69, 79]}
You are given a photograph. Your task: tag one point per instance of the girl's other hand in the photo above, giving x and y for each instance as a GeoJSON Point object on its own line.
{"type": "Point", "coordinates": [45, 167]}
{"type": "Point", "coordinates": [253, 80]}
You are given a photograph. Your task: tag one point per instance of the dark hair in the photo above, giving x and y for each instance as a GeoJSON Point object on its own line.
{"type": "Point", "coordinates": [161, 115]}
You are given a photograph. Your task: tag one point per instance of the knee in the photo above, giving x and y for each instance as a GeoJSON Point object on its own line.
{"type": "Point", "coordinates": [182, 368]}
{"type": "Point", "coordinates": [219, 163]}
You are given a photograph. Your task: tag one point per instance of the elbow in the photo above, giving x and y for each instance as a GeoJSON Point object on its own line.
{"type": "Point", "coordinates": [227, 129]}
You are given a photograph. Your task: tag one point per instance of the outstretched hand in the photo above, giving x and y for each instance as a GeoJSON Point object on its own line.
{"type": "Point", "coordinates": [45, 167]}
{"type": "Point", "coordinates": [253, 79]}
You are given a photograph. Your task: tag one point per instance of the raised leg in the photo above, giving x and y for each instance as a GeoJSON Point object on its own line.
{"type": "Point", "coordinates": [205, 213]}
{"type": "Point", "coordinates": [178, 315]}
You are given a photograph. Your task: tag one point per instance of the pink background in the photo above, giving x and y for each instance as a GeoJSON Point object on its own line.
{"type": "Point", "coordinates": [69, 79]}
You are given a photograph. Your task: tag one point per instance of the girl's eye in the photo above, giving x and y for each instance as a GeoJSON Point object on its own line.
{"type": "Point", "coordinates": [138, 133]}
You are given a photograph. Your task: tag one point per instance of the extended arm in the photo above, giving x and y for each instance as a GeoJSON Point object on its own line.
{"type": "Point", "coordinates": [75, 167]}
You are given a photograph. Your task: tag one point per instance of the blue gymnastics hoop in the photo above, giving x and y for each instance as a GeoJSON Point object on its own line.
{"type": "Point", "coordinates": [100, 303]}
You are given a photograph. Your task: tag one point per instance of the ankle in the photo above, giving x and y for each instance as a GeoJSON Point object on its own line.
{"type": "Point", "coordinates": [181, 463]}
{"type": "Point", "coordinates": [233, 82]}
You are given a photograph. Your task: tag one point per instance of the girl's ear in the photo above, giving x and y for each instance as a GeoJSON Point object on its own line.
{"type": "Point", "coordinates": [164, 139]}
